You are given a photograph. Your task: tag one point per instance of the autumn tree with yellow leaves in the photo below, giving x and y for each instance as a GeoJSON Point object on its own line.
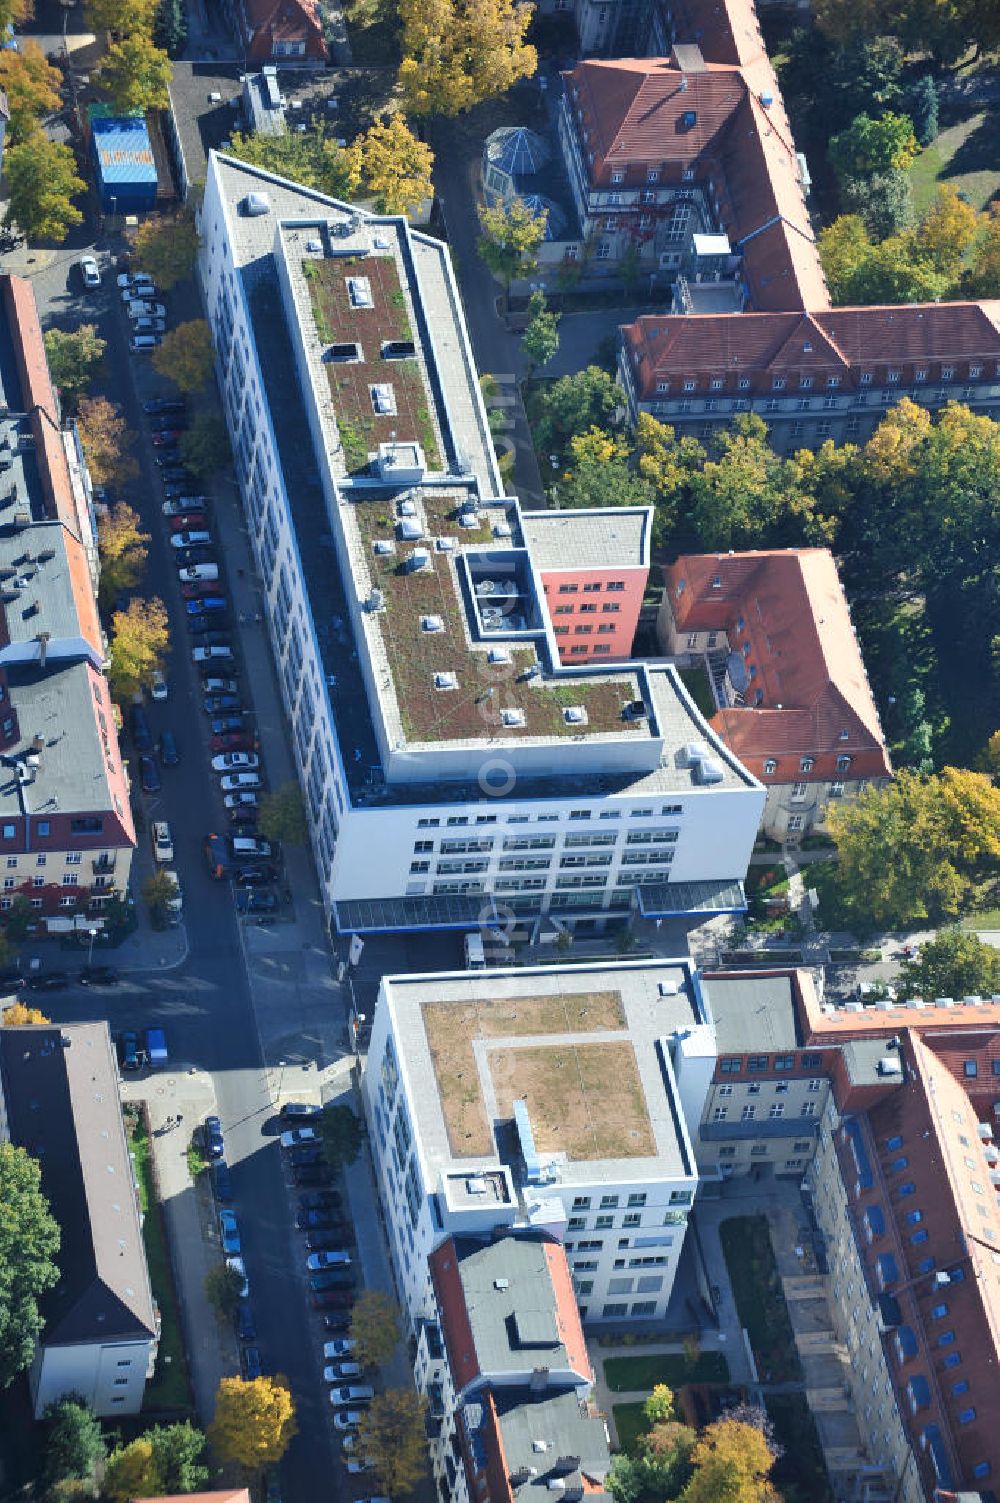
{"type": "Point", "coordinates": [456, 53]}
{"type": "Point", "coordinates": [254, 1422]}
{"type": "Point", "coordinates": [391, 165]}
{"type": "Point", "coordinates": [19, 1015]}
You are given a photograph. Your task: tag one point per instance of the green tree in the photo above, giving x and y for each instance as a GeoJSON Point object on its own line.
{"type": "Point", "coordinates": [136, 74]}
{"type": "Point", "coordinates": [955, 963]}
{"type": "Point", "coordinates": [29, 1241]}
{"type": "Point", "coordinates": [731, 1462]}
{"type": "Point", "coordinates": [947, 231]}
{"type": "Point", "coordinates": [982, 279]}
{"type": "Point", "coordinates": [123, 548]}
{"type": "Point", "coordinates": [599, 474]}
{"type": "Point", "coordinates": [660, 1404]}
{"type": "Point", "coordinates": [167, 248]}
{"type": "Point", "coordinates": [391, 165]}
{"type": "Point", "coordinates": [254, 1422]}
{"type": "Point", "coordinates": [883, 202]}
{"type": "Point", "coordinates": [204, 447]}
{"type": "Point", "coordinates": [42, 182]}
{"type": "Point", "coordinates": [375, 1327]}
{"type": "Point", "coordinates": [540, 340]}
{"type": "Point", "coordinates": [74, 358]}
{"type": "Point", "coordinates": [131, 1472]}
{"type": "Point", "coordinates": [917, 849]}
{"type": "Point", "coordinates": [178, 1451]}
{"type": "Point", "coordinates": [140, 637]}
{"type": "Point", "coordinates": [32, 88]}
{"type": "Point", "coordinates": [340, 1131]}
{"type": "Point", "coordinates": [457, 53]}
{"type": "Point", "coordinates": [309, 157]}
{"type": "Point", "coordinates": [922, 108]}
{"type": "Point", "coordinates": [574, 404]}
{"type": "Point", "coordinates": [170, 27]}
{"type": "Point", "coordinates": [106, 441]}
{"type": "Point", "coordinates": [282, 815]}
{"type": "Point", "coordinates": [392, 1432]}
{"type": "Point", "coordinates": [511, 239]}
{"type": "Point", "coordinates": [870, 146]}
{"type": "Point", "coordinates": [74, 1446]}
{"type": "Point", "coordinates": [223, 1285]}
{"type": "Point", "coordinates": [185, 356]}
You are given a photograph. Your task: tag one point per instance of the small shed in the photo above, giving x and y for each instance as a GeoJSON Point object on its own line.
{"type": "Point", "coordinates": [123, 159]}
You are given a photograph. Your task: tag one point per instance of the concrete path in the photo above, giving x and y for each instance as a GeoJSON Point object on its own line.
{"type": "Point", "coordinates": [191, 1227]}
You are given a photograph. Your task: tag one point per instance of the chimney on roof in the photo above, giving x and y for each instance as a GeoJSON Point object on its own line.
{"type": "Point", "coordinates": [37, 744]}
{"type": "Point", "coordinates": [43, 647]}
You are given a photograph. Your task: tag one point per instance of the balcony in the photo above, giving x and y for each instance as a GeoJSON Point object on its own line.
{"type": "Point", "coordinates": [101, 865]}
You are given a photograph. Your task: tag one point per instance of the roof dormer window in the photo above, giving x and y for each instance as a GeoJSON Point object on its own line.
{"type": "Point", "coordinates": [618, 177]}
{"type": "Point", "coordinates": [689, 385]}
{"type": "Point", "coordinates": [744, 383]}
{"type": "Point", "coordinates": [770, 766]}
{"type": "Point", "coordinates": [833, 382]}
{"type": "Point", "coordinates": [947, 373]}
{"type": "Point", "coordinates": [653, 175]}
{"type": "Point", "coordinates": [716, 383]}
{"type": "Point", "coordinates": [866, 378]}
{"type": "Point", "coordinates": [807, 764]}
{"type": "Point", "coordinates": [778, 384]}
{"type": "Point", "coordinates": [805, 382]}
{"type": "Point", "coordinates": [843, 763]}
{"type": "Point", "coordinates": [920, 374]}
{"type": "Point", "coordinates": [975, 371]}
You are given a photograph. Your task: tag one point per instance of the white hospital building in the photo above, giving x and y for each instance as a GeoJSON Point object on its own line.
{"type": "Point", "coordinates": [456, 772]}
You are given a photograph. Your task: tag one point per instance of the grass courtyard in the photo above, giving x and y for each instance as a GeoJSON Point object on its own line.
{"type": "Point", "coordinates": [964, 156]}
{"type": "Point", "coordinates": [646, 1369]}
{"type": "Point", "coordinates": [170, 1388]}
{"type": "Point", "coordinates": [760, 1301]}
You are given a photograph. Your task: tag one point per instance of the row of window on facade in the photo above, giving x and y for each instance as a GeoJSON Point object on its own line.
{"type": "Point", "coordinates": [805, 383]}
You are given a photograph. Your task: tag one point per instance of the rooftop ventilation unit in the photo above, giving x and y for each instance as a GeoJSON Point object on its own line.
{"type": "Point", "coordinates": [501, 1284]}
{"type": "Point", "coordinates": [359, 290]}
{"type": "Point", "coordinates": [498, 655]}
{"type": "Point", "coordinates": [512, 717]}
{"type": "Point", "coordinates": [255, 204]}
{"type": "Point", "coordinates": [383, 399]}
{"type": "Point", "coordinates": [468, 519]}
{"type": "Point", "coordinates": [575, 715]}
{"type": "Point", "coordinates": [501, 530]}
{"type": "Point", "coordinates": [767, 99]}
{"type": "Point", "coordinates": [689, 119]}
{"type": "Point", "coordinates": [314, 246]}
{"type": "Point", "coordinates": [343, 354]}
{"type": "Point", "coordinates": [446, 680]}
{"type": "Point", "coordinates": [475, 1185]}
{"type": "Point", "coordinates": [693, 751]}
{"type": "Point", "coordinates": [398, 349]}
{"type": "Point", "coordinates": [636, 709]}
{"type": "Point", "coordinates": [431, 623]}
{"type": "Point", "coordinates": [375, 601]}
{"type": "Point", "coordinates": [418, 559]}
{"type": "Point", "coordinates": [889, 1064]}
{"type": "Point", "coordinates": [707, 771]}
{"type": "Point", "coordinates": [45, 555]}
{"type": "Point", "coordinates": [410, 530]}
{"type": "Point", "coordinates": [382, 546]}
{"type": "Point", "coordinates": [406, 509]}
{"type": "Point", "coordinates": [539, 1445]}
{"type": "Point", "coordinates": [445, 545]}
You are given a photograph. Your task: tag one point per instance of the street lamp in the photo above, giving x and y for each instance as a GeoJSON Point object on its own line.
{"type": "Point", "coordinates": [90, 952]}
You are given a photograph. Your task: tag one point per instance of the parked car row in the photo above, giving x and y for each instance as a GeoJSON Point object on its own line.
{"type": "Point", "coordinates": [146, 314]}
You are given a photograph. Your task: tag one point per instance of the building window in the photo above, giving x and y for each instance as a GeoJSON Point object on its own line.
{"type": "Point", "coordinates": [770, 766]}
{"type": "Point", "coordinates": [720, 1114]}
{"type": "Point", "coordinates": [73, 858]}
{"type": "Point", "coordinates": [581, 1203]}
{"type": "Point", "coordinates": [776, 1109]}
{"type": "Point", "coordinates": [748, 1113]}
{"type": "Point", "coordinates": [618, 177]}
{"type": "Point", "coordinates": [843, 763]}
{"type": "Point", "coordinates": [757, 1062]}
{"type": "Point", "coordinates": [733, 1066]}
{"type": "Point", "coordinates": [70, 879]}
{"type": "Point", "coordinates": [633, 1218]}
{"type": "Point", "coordinates": [604, 250]}
{"type": "Point", "coordinates": [637, 1200]}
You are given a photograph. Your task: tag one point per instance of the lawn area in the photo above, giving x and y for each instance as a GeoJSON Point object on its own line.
{"type": "Point", "coordinates": [760, 1302]}
{"type": "Point", "coordinates": [801, 1472]}
{"type": "Point", "coordinates": [695, 681]}
{"type": "Point", "coordinates": [630, 1422]}
{"type": "Point", "coordinates": [964, 156]}
{"type": "Point", "coordinates": [169, 1388]}
{"type": "Point", "coordinates": [644, 1371]}
{"type": "Point", "coordinates": [988, 919]}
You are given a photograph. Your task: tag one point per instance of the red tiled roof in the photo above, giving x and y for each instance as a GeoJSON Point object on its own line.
{"type": "Point", "coordinates": [226, 1495]}
{"type": "Point", "coordinates": [567, 1310]}
{"type": "Point", "coordinates": [638, 114]}
{"type": "Point", "coordinates": [797, 633]}
{"type": "Point", "coordinates": [842, 343]}
{"type": "Point", "coordinates": [463, 1359]}
{"type": "Point", "coordinates": [271, 21]}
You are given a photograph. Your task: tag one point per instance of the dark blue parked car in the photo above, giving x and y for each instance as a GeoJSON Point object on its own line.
{"type": "Point", "coordinates": [246, 1330]}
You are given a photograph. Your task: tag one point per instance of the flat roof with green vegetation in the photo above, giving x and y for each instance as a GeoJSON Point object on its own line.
{"type": "Point", "coordinates": [360, 300]}
{"type": "Point", "coordinates": [484, 689]}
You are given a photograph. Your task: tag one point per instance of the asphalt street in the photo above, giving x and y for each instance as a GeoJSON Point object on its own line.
{"type": "Point", "coordinates": [205, 1005]}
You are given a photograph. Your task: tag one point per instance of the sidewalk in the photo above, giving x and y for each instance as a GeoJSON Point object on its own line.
{"type": "Point", "coordinates": [192, 1234]}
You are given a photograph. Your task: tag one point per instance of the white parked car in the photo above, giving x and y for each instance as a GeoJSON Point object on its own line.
{"type": "Point", "coordinates": [181, 505]}
{"type": "Point", "coordinates": [163, 844]}
{"type": "Point", "coordinates": [158, 685]}
{"type": "Point", "coordinates": [175, 905]}
{"type": "Point", "coordinates": [89, 271]}
{"type": "Point", "coordinates": [236, 762]}
{"type": "Point", "coordinates": [240, 800]}
{"type": "Point", "coordinates": [338, 1258]}
{"type": "Point", "coordinates": [299, 1135]}
{"type": "Point", "coordinates": [129, 280]}
{"type": "Point", "coordinates": [142, 342]}
{"type": "Point", "coordinates": [348, 1419]}
{"type": "Point", "coordinates": [215, 655]}
{"type": "Point", "coordinates": [341, 1346]}
{"type": "Point", "coordinates": [336, 1372]}
{"type": "Point", "coordinates": [237, 782]}
{"type": "Point", "coordinates": [139, 308]}
{"type": "Point", "coordinates": [190, 539]}
{"type": "Point", "coordinates": [149, 325]}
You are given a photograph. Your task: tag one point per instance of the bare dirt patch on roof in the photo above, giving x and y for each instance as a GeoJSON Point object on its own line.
{"type": "Point", "coordinates": [584, 1100]}
{"type": "Point", "coordinates": [453, 1027]}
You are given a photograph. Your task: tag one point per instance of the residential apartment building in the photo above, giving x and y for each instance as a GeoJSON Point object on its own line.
{"type": "Point", "coordinates": [827, 374]}
{"type": "Point", "coordinates": [286, 32]}
{"type": "Point", "coordinates": [906, 1196]}
{"type": "Point", "coordinates": [594, 567]}
{"type": "Point", "coordinates": [435, 727]}
{"type": "Point", "coordinates": [506, 1373]}
{"type": "Point", "coordinates": [772, 632]}
{"type": "Point", "coordinates": [66, 832]}
{"type": "Point", "coordinates": [101, 1324]}
{"type": "Point", "coordinates": [545, 1099]}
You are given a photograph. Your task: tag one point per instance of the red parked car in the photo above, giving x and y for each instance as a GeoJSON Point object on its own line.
{"type": "Point", "coordinates": [232, 741]}
{"type": "Point", "coordinates": [194, 589]}
{"type": "Point", "coordinates": [191, 521]}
